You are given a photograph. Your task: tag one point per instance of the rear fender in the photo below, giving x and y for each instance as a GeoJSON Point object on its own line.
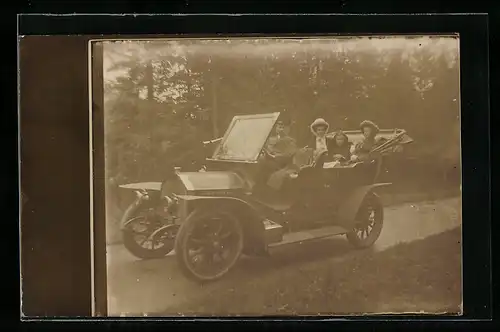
{"type": "Point", "coordinates": [252, 223]}
{"type": "Point", "coordinates": [350, 205]}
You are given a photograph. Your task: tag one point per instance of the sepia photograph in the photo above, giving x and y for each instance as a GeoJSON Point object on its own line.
{"type": "Point", "coordinates": [282, 176]}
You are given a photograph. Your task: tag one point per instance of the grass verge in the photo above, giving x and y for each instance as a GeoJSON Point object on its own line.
{"type": "Point", "coordinates": [422, 276]}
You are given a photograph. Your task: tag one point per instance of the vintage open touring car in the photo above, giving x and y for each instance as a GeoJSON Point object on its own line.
{"type": "Point", "coordinates": [209, 218]}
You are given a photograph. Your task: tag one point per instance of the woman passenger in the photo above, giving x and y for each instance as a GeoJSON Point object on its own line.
{"type": "Point", "coordinates": [369, 141]}
{"type": "Point", "coordinates": [320, 142]}
{"type": "Point", "coordinates": [341, 149]}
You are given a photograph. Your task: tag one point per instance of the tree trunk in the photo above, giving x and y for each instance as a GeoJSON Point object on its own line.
{"type": "Point", "coordinates": [149, 80]}
{"type": "Point", "coordinates": [215, 119]}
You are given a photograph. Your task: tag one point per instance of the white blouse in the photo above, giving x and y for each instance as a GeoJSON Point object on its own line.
{"type": "Point", "coordinates": [321, 144]}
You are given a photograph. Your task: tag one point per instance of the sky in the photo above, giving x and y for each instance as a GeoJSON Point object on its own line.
{"type": "Point", "coordinates": [114, 50]}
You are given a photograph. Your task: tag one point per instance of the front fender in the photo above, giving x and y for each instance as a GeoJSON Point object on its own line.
{"type": "Point", "coordinates": [144, 191]}
{"type": "Point", "coordinates": [132, 208]}
{"type": "Point", "coordinates": [252, 222]}
{"type": "Point", "coordinates": [142, 197]}
{"type": "Point", "coordinates": [194, 201]}
{"type": "Point", "coordinates": [349, 206]}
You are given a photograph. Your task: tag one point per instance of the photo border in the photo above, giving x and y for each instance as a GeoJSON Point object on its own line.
{"type": "Point", "coordinates": [474, 98]}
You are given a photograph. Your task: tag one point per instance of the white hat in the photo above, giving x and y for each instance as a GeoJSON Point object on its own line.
{"type": "Point", "coordinates": [319, 122]}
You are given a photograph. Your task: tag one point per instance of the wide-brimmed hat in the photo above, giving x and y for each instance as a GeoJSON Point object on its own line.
{"type": "Point", "coordinates": [319, 122]}
{"type": "Point", "coordinates": [371, 124]}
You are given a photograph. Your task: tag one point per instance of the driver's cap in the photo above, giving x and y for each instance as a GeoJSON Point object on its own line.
{"type": "Point", "coordinates": [284, 119]}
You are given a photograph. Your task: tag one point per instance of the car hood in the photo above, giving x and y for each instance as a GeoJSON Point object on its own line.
{"type": "Point", "coordinates": [155, 186]}
{"type": "Point", "coordinates": [211, 180]}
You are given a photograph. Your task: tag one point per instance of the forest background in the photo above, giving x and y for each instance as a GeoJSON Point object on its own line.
{"type": "Point", "coordinates": [163, 97]}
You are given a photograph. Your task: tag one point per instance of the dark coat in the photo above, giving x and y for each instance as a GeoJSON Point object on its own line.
{"type": "Point", "coordinates": [283, 148]}
{"type": "Point", "coordinates": [363, 148]}
{"type": "Point", "coordinates": [344, 150]}
{"type": "Point", "coordinates": [276, 170]}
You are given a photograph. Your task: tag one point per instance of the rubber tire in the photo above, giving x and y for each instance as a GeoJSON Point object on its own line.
{"type": "Point", "coordinates": [181, 239]}
{"type": "Point", "coordinates": [142, 253]}
{"type": "Point", "coordinates": [377, 227]}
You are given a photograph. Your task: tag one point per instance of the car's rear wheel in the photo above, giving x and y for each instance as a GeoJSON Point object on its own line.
{"type": "Point", "coordinates": [139, 235]}
{"type": "Point", "coordinates": [369, 222]}
{"type": "Point", "coordinates": [208, 245]}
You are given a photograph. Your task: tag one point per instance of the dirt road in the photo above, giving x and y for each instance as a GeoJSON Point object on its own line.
{"type": "Point", "coordinates": [136, 286]}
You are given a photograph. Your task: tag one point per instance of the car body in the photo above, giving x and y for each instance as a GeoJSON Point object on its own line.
{"type": "Point", "coordinates": [316, 202]}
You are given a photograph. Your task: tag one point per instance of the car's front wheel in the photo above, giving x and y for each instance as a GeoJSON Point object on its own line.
{"type": "Point", "coordinates": [140, 238]}
{"type": "Point", "coordinates": [369, 222]}
{"type": "Point", "coordinates": [208, 244]}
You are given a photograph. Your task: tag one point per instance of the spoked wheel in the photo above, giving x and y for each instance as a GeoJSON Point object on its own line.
{"type": "Point", "coordinates": [146, 238]}
{"type": "Point", "coordinates": [208, 245]}
{"type": "Point", "coordinates": [369, 223]}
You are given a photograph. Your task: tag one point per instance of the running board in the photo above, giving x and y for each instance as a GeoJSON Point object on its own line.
{"type": "Point", "coordinates": [312, 234]}
{"type": "Point", "coordinates": [273, 231]}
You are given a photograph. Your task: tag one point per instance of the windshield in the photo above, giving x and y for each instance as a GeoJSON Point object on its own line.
{"type": "Point", "coordinates": [245, 137]}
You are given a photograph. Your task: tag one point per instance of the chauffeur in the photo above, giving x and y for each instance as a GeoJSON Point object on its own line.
{"type": "Point", "coordinates": [280, 149]}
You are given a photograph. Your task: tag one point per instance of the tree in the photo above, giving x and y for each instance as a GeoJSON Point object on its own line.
{"type": "Point", "coordinates": [167, 91]}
